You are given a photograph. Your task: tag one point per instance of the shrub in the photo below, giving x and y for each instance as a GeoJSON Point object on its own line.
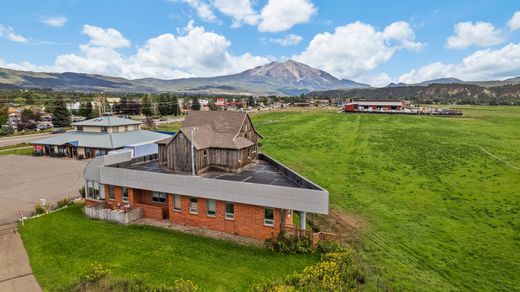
{"type": "Point", "coordinates": [39, 209]}
{"type": "Point", "coordinates": [325, 246]}
{"type": "Point", "coordinates": [289, 244]}
{"type": "Point", "coordinates": [97, 272]}
{"type": "Point", "coordinates": [63, 202]}
{"type": "Point", "coordinates": [336, 271]}
{"type": "Point", "coordinates": [82, 192]}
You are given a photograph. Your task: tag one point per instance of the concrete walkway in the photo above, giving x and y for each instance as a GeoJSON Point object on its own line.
{"type": "Point", "coordinates": [15, 271]}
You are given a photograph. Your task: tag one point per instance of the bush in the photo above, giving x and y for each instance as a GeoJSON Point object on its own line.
{"type": "Point", "coordinates": [64, 202]}
{"type": "Point", "coordinates": [325, 246]}
{"type": "Point", "coordinates": [289, 244]}
{"type": "Point", "coordinates": [97, 272]}
{"type": "Point", "coordinates": [82, 192]}
{"type": "Point", "coordinates": [336, 271]}
{"type": "Point", "coordinates": [98, 278]}
{"type": "Point", "coordinates": [39, 209]}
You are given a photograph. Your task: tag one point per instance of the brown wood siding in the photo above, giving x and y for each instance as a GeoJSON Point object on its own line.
{"type": "Point", "coordinates": [176, 155]}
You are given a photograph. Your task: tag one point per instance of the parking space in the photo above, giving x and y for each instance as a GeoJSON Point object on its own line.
{"type": "Point", "coordinates": [24, 180]}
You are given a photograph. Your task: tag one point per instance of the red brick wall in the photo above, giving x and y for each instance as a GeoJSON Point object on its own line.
{"type": "Point", "coordinates": [248, 221]}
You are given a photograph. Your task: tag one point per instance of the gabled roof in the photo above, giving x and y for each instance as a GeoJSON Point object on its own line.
{"type": "Point", "coordinates": [102, 139]}
{"type": "Point", "coordinates": [215, 129]}
{"type": "Point", "coordinates": [107, 121]}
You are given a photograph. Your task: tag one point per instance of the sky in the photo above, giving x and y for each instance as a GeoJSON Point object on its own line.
{"type": "Point", "coordinates": [369, 41]}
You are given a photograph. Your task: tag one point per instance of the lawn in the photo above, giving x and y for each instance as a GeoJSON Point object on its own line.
{"type": "Point", "coordinates": [438, 212]}
{"type": "Point", "coordinates": [62, 245]}
{"type": "Point", "coordinates": [18, 149]}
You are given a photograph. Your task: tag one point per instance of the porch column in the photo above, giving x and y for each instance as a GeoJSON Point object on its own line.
{"type": "Point", "coordinates": [303, 219]}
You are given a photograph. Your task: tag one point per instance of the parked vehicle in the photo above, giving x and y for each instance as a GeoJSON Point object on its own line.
{"type": "Point", "coordinates": [58, 131]}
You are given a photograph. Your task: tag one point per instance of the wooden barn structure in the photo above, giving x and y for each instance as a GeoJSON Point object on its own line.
{"type": "Point", "coordinates": [225, 141]}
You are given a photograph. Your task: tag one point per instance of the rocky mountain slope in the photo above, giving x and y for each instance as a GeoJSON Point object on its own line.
{"type": "Point", "coordinates": [275, 78]}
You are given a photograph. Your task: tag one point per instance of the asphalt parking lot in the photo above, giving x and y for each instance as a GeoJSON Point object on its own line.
{"type": "Point", "coordinates": [24, 180]}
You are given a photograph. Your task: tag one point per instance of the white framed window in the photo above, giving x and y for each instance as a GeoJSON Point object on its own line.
{"type": "Point", "coordinates": [177, 203]}
{"type": "Point", "coordinates": [194, 206]}
{"type": "Point", "coordinates": [269, 216]}
{"type": "Point", "coordinates": [125, 194]}
{"type": "Point", "coordinates": [212, 208]}
{"type": "Point", "coordinates": [230, 211]}
{"type": "Point", "coordinates": [111, 193]}
{"type": "Point", "coordinates": [159, 197]}
{"type": "Point", "coordinates": [92, 191]}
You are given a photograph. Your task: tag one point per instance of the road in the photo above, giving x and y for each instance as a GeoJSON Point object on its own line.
{"type": "Point", "coordinates": [13, 140]}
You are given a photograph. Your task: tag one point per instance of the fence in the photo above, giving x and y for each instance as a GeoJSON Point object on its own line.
{"type": "Point", "coordinates": [315, 236]}
{"type": "Point", "coordinates": [118, 216]}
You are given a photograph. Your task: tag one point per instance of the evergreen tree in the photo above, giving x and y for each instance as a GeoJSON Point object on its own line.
{"type": "Point", "coordinates": [4, 115]}
{"type": "Point", "coordinates": [147, 109]}
{"type": "Point", "coordinates": [163, 104]}
{"type": "Point", "coordinates": [195, 104]}
{"type": "Point", "coordinates": [60, 113]}
{"type": "Point", "coordinates": [89, 111]}
{"type": "Point", "coordinates": [123, 105]}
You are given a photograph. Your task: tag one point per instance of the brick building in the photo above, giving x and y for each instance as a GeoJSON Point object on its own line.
{"type": "Point", "coordinates": [209, 175]}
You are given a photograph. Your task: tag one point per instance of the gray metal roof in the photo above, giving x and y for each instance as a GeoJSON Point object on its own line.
{"type": "Point", "coordinates": [107, 121]}
{"type": "Point", "coordinates": [102, 139]}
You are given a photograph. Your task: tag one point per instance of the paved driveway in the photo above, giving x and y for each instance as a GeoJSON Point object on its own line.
{"type": "Point", "coordinates": [24, 180]}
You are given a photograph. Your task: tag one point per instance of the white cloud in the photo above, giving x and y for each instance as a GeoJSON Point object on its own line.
{"type": "Point", "coordinates": [485, 64]}
{"type": "Point", "coordinates": [58, 21]}
{"type": "Point", "coordinates": [376, 80]}
{"type": "Point", "coordinates": [287, 40]}
{"type": "Point", "coordinates": [109, 37]}
{"type": "Point", "coordinates": [8, 33]}
{"type": "Point", "coordinates": [514, 22]}
{"type": "Point", "coordinates": [357, 48]}
{"type": "Point", "coordinates": [192, 52]}
{"type": "Point", "coordinates": [240, 10]}
{"type": "Point", "coordinates": [202, 8]}
{"type": "Point", "coordinates": [482, 34]}
{"type": "Point", "coordinates": [282, 15]}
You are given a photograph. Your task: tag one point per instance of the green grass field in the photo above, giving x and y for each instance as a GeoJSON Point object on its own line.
{"type": "Point", "coordinates": [18, 149]}
{"type": "Point", "coordinates": [439, 212]}
{"type": "Point", "coordinates": [62, 246]}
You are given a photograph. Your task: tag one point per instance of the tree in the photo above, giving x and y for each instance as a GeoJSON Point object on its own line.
{"type": "Point", "coordinates": [173, 105]}
{"type": "Point", "coordinates": [86, 110]}
{"type": "Point", "coordinates": [60, 113]}
{"type": "Point", "coordinates": [195, 104]}
{"type": "Point", "coordinates": [4, 115]}
{"type": "Point", "coordinates": [123, 105]}
{"type": "Point", "coordinates": [147, 109]}
{"type": "Point", "coordinates": [163, 105]}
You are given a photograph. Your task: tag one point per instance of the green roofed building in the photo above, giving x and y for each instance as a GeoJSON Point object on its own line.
{"type": "Point", "coordinates": [98, 136]}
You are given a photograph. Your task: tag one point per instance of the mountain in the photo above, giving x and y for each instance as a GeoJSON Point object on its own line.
{"type": "Point", "coordinates": [441, 81]}
{"type": "Point", "coordinates": [458, 93]}
{"type": "Point", "coordinates": [275, 78]}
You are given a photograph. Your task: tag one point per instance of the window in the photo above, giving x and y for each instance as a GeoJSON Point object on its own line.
{"type": "Point", "coordinates": [125, 194]}
{"type": "Point", "coordinates": [79, 128]}
{"type": "Point", "coordinates": [92, 190]}
{"type": "Point", "coordinates": [103, 129]}
{"type": "Point", "coordinates": [194, 206]}
{"type": "Point", "coordinates": [230, 211]}
{"type": "Point", "coordinates": [159, 197]}
{"type": "Point", "coordinates": [126, 128]}
{"type": "Point", "coordinates": [115, 129]}
{"type": "Point", "coordinates": [269, 216]}
{"type": "Point", "coordinates": [212, 208]}
{"type": "Point", "coordinates": [177, 203]}
{"type": "Point", "coordinates": [111, 193]}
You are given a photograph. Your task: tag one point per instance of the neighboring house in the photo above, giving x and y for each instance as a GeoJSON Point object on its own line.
{"type": "Point", "coordinates": [208, 175]}
{"type": "Point", "coordinates": [373, 105]}
{"type": "Point", "coordinates": [98, 136]}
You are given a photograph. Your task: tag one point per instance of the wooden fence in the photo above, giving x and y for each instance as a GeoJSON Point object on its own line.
{"type": "Point", "coordinates": [315, 236]}
{"type": "Point", "coordinates": [118, 216]}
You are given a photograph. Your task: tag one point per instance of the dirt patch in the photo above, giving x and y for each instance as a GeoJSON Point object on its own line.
{"type": "Point", "coordinates": [347, 226]}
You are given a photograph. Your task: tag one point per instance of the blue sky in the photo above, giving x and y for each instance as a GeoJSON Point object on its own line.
{"type": "Point", "coordinates": [368, 41]}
